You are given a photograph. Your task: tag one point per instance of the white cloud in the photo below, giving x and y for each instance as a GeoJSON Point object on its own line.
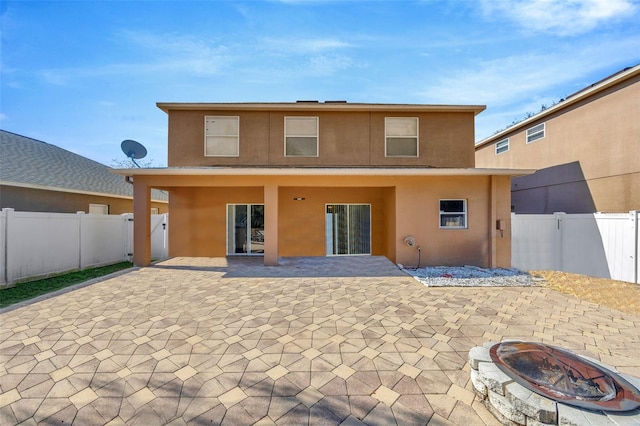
{"type": "Point", "coordinates": [498, 81]}
{"type": "Point", "coordinates": [328, 64]}
{"type": "Point", "coordinates": [3, 117]}
{"type": "Point", "coordinates": [160, 54]}
{"type": "Point", "coordinates": [302, 46]}
{"type": "Point", "coordinates": [524, 77]}
{"type": "Point", "coordinates": [182, 54]}
{"type": "Point", "coordinates": [175, 43]}
{"type": "Point", "coordinates": [561, 17]}
{"type": "Point", "coordinates": [512, 86]}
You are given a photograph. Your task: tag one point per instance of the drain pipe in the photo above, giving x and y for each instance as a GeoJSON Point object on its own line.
{"type": "Point", "coordinates": [419, 254]}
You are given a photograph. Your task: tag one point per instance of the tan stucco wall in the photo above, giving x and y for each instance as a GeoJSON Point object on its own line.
{"type": "Point", "coordinates": [353, 138]}
{"type": "Point", "coordinates": [198, 218]}
{"type": "Point", "coordinates": [38, 200]}
{"type": "Point", "coordinates": [418, 216]}
{"type": "Point", "coordinates": [302, 223]}
{"type": "Point", "coordinates": [502, 204]}
{"type": "Point", "coordinates": [401, 206]}
{"type": "Point", "coordinates": [601, 135]}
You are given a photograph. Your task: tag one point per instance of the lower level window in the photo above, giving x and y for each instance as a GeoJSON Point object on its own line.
{"type": "Point", "coordinates": [453, 214]}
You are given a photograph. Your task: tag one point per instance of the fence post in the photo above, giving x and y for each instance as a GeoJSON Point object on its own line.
{"type": "Point", "coordinates": [165, 230]}
{"type": "Point", "coordinates": [80, 216]}
{"type": "Point", "coordinates": [559, 216]}
{"type": "Point", "coordinates": [633, 217]}
{"type": "Point", "coordinates": [128, 232]}
{"type": "Point", "coordinates": [7, 212]}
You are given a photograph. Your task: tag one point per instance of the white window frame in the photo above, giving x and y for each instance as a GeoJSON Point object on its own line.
{"type": "Point", "coordinates": [463, 213]}
{"type": "Point", "coordinates": [536, 132]}
{"type": "Point", "coordinates": [504, 147]}
{"type": "Point", "coordinates": [387, 136]}
{"type": "Point", "coordinates": [236, 135]}
{"type": "Point", "coordinates": [95, 208]}
{"type": "Point", "coordinates": [316, 136]}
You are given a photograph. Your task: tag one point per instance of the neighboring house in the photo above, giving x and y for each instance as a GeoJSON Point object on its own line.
{"type": "Point", "coordinates": [39, 177]}
{"type": "Point", "coordinates": [333, 178]}
{"type": "Point", "coordinates": [587, 150]}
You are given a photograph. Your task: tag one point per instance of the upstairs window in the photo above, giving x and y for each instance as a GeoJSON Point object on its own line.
{"type": "Point", "coordinates": [502, 146]}
{"type": "Point", "coordinates": [221, 136]}
{"type": "Point", "coordinates": [401, 136]}
{"type": "Point", "coordinates": [453, 214]}
{"type": "Point", "coordinates": [535, 133]}
{"type": "Point", "coordinates": [301, 136]}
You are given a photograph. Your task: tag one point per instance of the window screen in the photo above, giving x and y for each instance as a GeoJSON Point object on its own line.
{"type": "Point", "coordinates": [401, 137]}
{"type": "Point", "coordinates": [502, 146]}
{"type": "Point", "coordinates": [221, 136]}
{"type": "Point", "coordinates": [453, 214]}
{"type": "Point", "coordinates": [301, 136]}
{"type": "Point", "coordinates": [535, 133]}
{"type": "Point", "coordinates": [98, 208]}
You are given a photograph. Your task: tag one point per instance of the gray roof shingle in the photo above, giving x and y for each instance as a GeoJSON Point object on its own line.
{"type": "Point", "coordinates": [33, 162]}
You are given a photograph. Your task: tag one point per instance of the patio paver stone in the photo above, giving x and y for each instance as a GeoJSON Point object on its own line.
{"type": "Point", "coordinates": [331, 340]}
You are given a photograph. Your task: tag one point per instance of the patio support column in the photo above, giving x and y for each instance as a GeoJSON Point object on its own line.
{"type": "Point", "coordinates": [141, 223]}
{"type": "Point", "coordinates": [271, 225]}
{"type": "Point", "coordinates": [493, 217]}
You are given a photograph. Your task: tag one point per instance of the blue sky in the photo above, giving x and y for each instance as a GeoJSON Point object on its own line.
{"type": "Point", "coordinates": [85, 75]}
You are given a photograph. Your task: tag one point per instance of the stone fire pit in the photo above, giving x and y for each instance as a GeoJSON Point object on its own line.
{"type": "Point", "coordinates": [513, 404]}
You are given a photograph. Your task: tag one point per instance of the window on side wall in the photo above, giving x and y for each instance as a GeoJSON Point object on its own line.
{"type": "Point", "coordinates": [453, 214]}
{"type": "Point", "coordinates": [401, 136]}
{"type": "Point", "coordinates": [502, 146]}
{"type": "Point", "coordinates": [535, 133]}
{"type": "Point", "coordinates": [98, 208]}
{"type": "Point", "coordinates": [301, 136]}
{"type": "Point", "coordinates": [221, 136]}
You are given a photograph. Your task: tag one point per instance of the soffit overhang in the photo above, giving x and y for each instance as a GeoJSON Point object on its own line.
{"type": "Point", "coordinates": [318, 106]}
{"type": "Point", "coordinates": [301, 171]}
{"type": "Point", "coordinates": [75, 191]}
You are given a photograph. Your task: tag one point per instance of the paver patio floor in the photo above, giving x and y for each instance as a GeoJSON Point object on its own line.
{"type": "Point", "coordinates": [313, 341]}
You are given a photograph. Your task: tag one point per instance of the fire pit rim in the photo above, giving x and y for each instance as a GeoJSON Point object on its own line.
{"type": "Point", "coordinates": [627, 396]}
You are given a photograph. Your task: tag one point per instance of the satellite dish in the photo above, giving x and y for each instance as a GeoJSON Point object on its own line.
{"type": "Point", "coordinates": [134, 150]}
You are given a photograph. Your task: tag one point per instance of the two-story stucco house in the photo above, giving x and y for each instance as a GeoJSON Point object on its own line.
{"type": "Point", "coordinates": [327, 178]}
{"type": "Point", "coordinates": [587, 150]}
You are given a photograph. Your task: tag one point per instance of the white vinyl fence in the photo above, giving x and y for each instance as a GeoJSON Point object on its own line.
{"type": "Point", "coordinates": [599, 244]}
{"type": "Point", "coordinates": [34, 245]}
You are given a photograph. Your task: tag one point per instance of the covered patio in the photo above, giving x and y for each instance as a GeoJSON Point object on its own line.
{"type": "Point", "coordinates": [400, 202]}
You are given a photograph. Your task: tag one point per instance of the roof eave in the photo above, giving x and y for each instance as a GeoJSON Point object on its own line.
{"type": "Point", "coordinates": [317, 106]}
{"type": "Point", "coordinates": [301, 171]}
{"type": "Point", "coordinates": [73, 191]}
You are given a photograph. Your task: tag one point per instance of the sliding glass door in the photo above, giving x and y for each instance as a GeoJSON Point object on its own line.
{"type": "Point", "coordinates": [348, 229]}
{"type": "Point", "coordinates": [245, 229]}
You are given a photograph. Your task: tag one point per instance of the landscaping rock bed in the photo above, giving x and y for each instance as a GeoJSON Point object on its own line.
{"type": "Point", "coordinates": [469, 276]}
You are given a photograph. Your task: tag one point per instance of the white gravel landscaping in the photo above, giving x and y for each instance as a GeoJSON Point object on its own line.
{"type": "Point", "coordinates": [469, 276]}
